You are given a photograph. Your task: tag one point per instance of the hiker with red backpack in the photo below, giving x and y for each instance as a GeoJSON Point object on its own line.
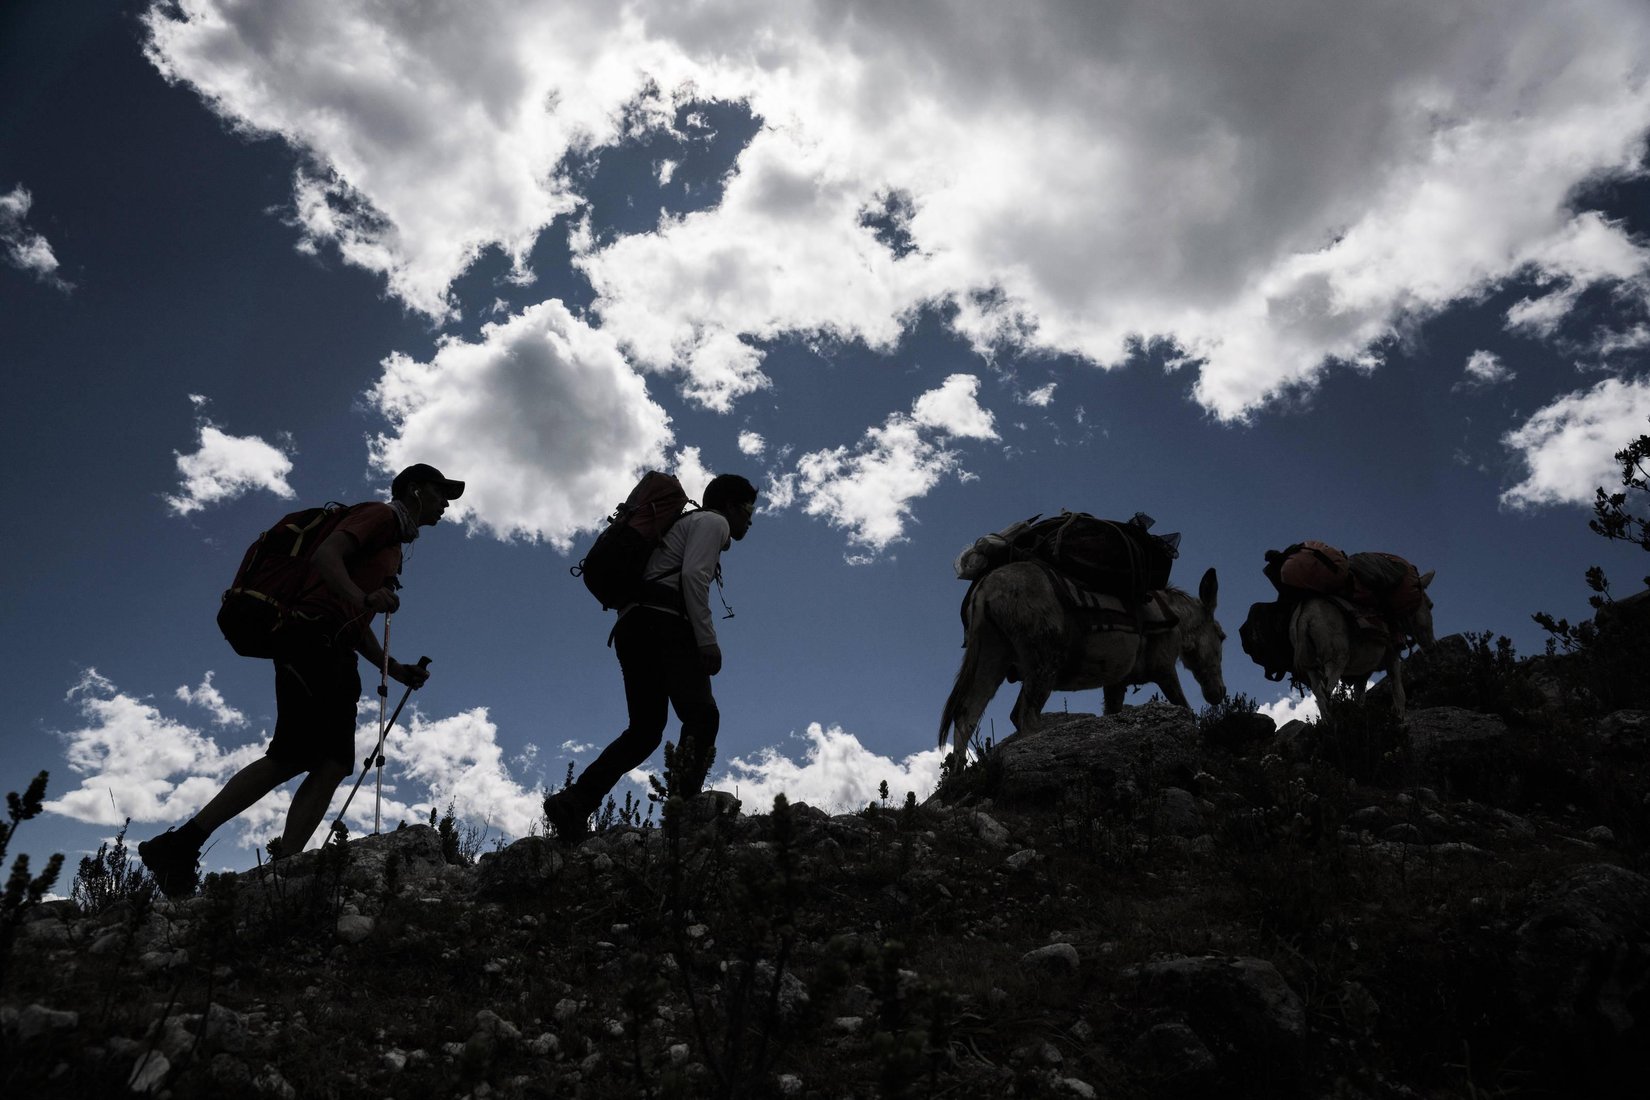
{"type": "Point", "coordinates": [665, 637]}
{"type": "Point", "coordinates": [305, 596]}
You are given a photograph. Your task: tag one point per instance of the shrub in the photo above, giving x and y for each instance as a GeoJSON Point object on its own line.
{"type": "Point", "coordinates": [1477, 671]}
{"type": "Point", "coordinates": [1234, 722]}
{"type": "Point", "coordinates": [1600, 663]}
{"type": "Point", "coordinates": [23, 891]}
{"type": "Point", "coordinates": [109, 876]}
{"type": "Point", "coordinates": [1603, 661]}
{"type": "Point", "coordinates": [1365, 741]}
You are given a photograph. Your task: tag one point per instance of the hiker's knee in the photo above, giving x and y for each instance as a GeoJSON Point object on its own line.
{"type": "Point", "coordinates": [644, 735]}
{"type": "Point", "coordinates": [330, 772]}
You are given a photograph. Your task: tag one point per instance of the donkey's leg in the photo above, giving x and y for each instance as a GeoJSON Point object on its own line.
{"type": "Point", "coordinates": [1170, 685]}
{"type": "Point", "coordinates": [1327, 665]}
{"type": "Point", "coordinates": [1323, 676]}
{"type": "Point", "coordinates": [1395, 673]}
{"type": "Point", "coordinates": [1034, 693]}
{"type": "Point", "coordinates": [1039, 664]}
{"type": "Point", "coordinates": [1114, 694]}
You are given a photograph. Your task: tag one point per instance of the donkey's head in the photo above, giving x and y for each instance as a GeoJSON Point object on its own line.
{"type": "Point", "coordinates": [1420, 623]}
{"type": "Point", "coordinates": [1202, 641]}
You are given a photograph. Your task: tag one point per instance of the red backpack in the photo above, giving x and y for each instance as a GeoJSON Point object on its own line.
{"type": "Point", "coordinates": [612, 569]}
{"type": "Point", "coordinates": [273, 576]}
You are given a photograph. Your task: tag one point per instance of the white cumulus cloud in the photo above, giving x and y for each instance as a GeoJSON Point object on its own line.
{"type": "Point", "coordinates": [207, 696]}
{"type": "Point", "coordinates": [953, 409]}
{"type": "Point", "coordinates": [1039, 398]}
{"type": "Point", "coordinates": [1484, 368]}
{"type": "Point", "coordinates": [135, 761]}
{"type": "Point", "coordinates": [868, 489]}
{"type": "Point", "coordinates": [542, 417]}
{"type": "Point", "coordinates": [1568, 447]}
{"type": "Point", "coordinates": [752, 444]}
{"type": "Point", "coordinates": [690, 470]}
{"type": "Point", "coordinates": [224, 467]}
{"type": "Point", "coordinates": [1289, 708]}
{"type": "Point", "coordinates": [836, 774]}
{"type": "Point", "coordinates": [24, 248]}
{"type": "Point", "coordinates": [1274, 187]}
{"type": "Point", "coordinates": [456, 759]}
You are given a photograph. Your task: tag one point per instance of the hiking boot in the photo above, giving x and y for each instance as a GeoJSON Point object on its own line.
{"type": "Point", "coordinates": [173, 861]}
{"type": "Point", "coordinates": [571, 823]}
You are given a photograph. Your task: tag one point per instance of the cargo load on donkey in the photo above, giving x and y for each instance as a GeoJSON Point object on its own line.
{"type": "Point", "coordinates": [274, 577]}
{"type": "Point", "coordinates": [1379, 592]}
{"type": "Point", "coordinates": [1116, 559]}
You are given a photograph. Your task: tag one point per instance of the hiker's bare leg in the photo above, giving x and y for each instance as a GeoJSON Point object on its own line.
{"type": "Point", "coordinates": [309, 805]}
{"type": "Point", "coordinates": [243, 789]}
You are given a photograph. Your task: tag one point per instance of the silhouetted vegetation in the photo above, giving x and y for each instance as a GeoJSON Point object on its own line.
{"type": "Point", "coordinates": [109, 876]}
{"type": "Point", "coordinates": [1602, 661]}
{"type": "Point", "coordinates": [23, 890]}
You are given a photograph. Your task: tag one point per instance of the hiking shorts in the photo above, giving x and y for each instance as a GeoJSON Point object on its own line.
{"type": "Point", "coordinates": [316, 690]}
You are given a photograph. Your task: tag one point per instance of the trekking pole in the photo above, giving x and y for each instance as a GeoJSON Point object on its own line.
{"type": "Point", "coordinates": [376, 755]}
{"type": "Point", "coordinates": [383, 701]}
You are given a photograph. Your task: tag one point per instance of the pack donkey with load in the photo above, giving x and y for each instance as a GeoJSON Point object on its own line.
{"type": "Point", "coordinates": [1339, 619]}
{"type": "Point", "coordinates": [1073, 603]}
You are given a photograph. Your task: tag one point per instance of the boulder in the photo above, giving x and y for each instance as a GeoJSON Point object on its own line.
{"type": "Point", "coordinates": [1147, 747]}
{"type": "Point", "coordinates": [1239, 1008]}
{"type": "Point", "coordinates": [1461, 750]}
{"type": "Point", "coordinates": [518, 870]}
{"type": "Point", "coordinates": [1177, 1059]}
{"type": "Point", "coordinates": [1623, 734]}
{"type": "Point", "coordinates": [1055, 960]}
{"type": "Point", "coordinates": [416, 850]}
{"type": "Point", "coordinates": [1581, 959]}
{"type": "Point", "coordinates": [1429, 673]}
{"type": "Point", "coordinates": [1175, 812]}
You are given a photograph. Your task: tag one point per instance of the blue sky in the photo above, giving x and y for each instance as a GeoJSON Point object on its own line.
{"type": "Point", "coordinates": [920, 270]}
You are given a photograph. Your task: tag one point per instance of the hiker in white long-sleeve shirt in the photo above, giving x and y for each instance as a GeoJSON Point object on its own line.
{"type": "Point", "coordinates": [668, 652]}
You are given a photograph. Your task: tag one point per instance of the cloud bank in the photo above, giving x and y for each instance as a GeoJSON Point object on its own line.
{"type": "Point", "coordinates": [837, 774]}
{"type": "Point", "coordinates": [1269, 186]}
{"type": "Point", "coordinates": [134, 761]}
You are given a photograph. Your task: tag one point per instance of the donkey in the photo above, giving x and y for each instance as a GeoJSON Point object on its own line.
{"type": "Point", "coordinates": [1018, 623]}
{"type": "Point", "coordinates": [1331, 651]}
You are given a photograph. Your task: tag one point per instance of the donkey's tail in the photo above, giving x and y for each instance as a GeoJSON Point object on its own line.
{"type": "Point", "coordinates": [967, 673]}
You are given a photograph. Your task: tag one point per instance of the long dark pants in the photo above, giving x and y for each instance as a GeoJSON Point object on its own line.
{"type": "Point", "coordinates": [661, 666]}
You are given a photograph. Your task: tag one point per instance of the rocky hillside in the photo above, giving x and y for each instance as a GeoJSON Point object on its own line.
{"type": "Point", "coordinates": [1140, 906]}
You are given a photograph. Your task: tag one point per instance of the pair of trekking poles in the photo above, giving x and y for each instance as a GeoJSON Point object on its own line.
{"type": "Point", "coordinates": [376, 757]}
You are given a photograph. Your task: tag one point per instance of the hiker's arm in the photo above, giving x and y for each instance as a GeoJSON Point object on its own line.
{"type": "Point", "coordinates": [700, 552]}
{"type": "Point", "coordinates": [411, 675]}
{"type": "Point", "coordinates": [329, 566]}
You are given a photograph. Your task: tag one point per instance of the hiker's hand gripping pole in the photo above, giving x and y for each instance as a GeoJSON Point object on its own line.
{"type": "Point", "coordinates": [376, 755]}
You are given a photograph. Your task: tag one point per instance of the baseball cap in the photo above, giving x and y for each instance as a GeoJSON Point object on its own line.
{"type": "Point", "coordinates": [420, 472]}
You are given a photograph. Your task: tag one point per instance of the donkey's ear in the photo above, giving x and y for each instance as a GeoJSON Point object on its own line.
{"type": "Point", "coordinates": [1208, 589]}
{"type": "Point", "coordinates": [1426, 578]}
